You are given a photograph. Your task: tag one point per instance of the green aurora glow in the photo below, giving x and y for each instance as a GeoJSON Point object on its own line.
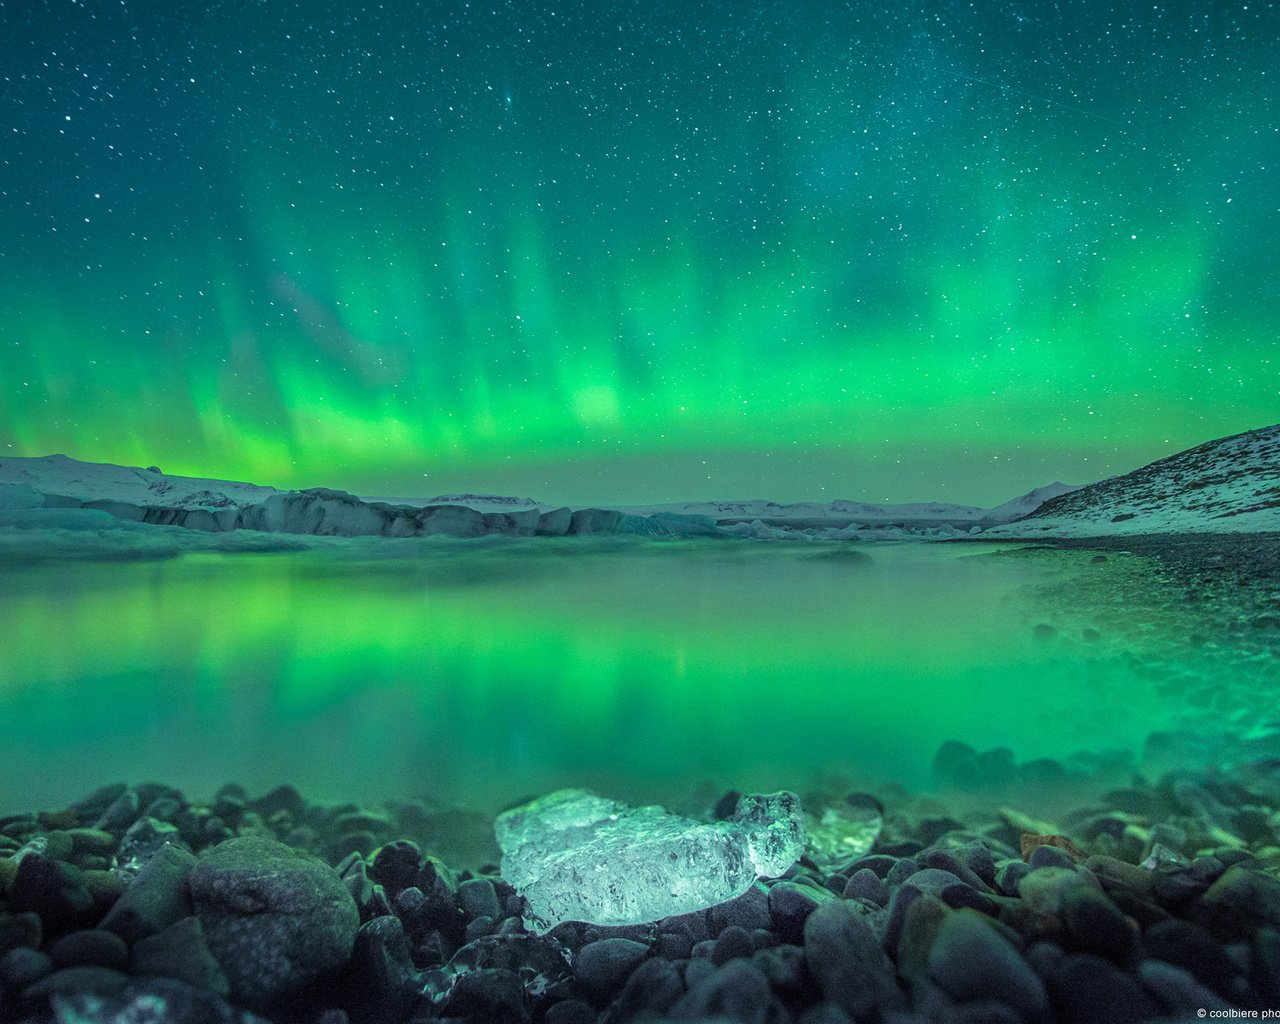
{"type": "Point", "coordinates": [638, 251]}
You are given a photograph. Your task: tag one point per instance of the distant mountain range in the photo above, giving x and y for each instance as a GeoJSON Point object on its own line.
{"type": "Point", "coordinates": [1231, 485]}
{"type": "Point", "coordinates": [1228, 485]}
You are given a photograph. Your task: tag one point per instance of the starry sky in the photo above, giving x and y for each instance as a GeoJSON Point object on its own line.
{"type": "Point", "coordinates": [638, 250]}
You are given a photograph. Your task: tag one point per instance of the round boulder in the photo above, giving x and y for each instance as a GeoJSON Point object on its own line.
{"type": "Point", "coordinates": [276, 919]}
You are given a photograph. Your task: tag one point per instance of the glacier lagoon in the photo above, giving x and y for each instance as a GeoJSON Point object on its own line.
{"type": "Point", "coordinates": [479, 673]}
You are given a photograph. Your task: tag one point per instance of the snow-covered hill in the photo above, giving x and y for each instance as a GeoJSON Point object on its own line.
{"type": "Point", "coordinates": [843, 513]}
{"type": "Point", "coordinates": [1231, 485]}
{"type": "Point", "coordinates": [98, 481]}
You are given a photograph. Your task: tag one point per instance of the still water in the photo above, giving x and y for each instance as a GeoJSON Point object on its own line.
{"type": "Point", "coordinates": [477, 672]}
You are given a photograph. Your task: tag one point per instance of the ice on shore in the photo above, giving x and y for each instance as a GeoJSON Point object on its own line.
{"type": "Point", "coordinates": [575, 856]}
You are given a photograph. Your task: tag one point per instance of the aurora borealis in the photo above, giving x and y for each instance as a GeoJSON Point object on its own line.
{"type": "Point", "coordinates": [638, 251]}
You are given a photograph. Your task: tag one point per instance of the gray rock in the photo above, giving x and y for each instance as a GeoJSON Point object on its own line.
{"type": "Point", "coordinates": [155, 899]}
{"type": "Point", "coordinates": [738, 991]}
{"type": "Point", "coordinates": [790, 906]}
{"type": "Point", "coordinates": [1177, 990]}
{"type": "Point", "coordinates": [382, 972]}
{"type": "Point", "coordinates": [479, 899]}
{"type": "Point", "coordinates": [57, 892]}
{"type": "Point", "coordinates": [653, 987]}
{"type": "Point", "coordinates": [970, 959]}
{"type": "Point", "coordinates": [23, 966]}
{"type": "Point", "coordinates": [92, 947]}
{"type": "Point", "coordinates": [1090, 990]}
{"type": "Point", "coordinates": [20, 930]}
{"type": "Point", "coordinates": [151, 1001]}
{"type": "Point", "coordinates": [275, 919]}
{"type": "Point", "coordinates": [1241, 901]}
{"type": "Point", "coordinates": [1096, 925]}
{"type": "Point", "coordinates": [180, 952]}
{"type": "Point", "coordinates": [602, 967]}
{"type": "Point", "coordinates": [845, 957]}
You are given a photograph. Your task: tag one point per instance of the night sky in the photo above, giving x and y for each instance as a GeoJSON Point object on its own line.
{"type": "Point", "coordinates": [638, 251]}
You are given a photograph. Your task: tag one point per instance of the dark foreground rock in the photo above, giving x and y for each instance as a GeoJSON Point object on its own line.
{"type": "Point", "coordinates": [1157, 901]}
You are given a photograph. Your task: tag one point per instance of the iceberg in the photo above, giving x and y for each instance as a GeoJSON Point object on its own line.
{"type": "Point", "coordinates": [575, 856]}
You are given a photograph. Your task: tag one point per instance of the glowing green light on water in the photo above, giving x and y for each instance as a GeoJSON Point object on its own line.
{"type": "Point", "coordinates": [486, 672]}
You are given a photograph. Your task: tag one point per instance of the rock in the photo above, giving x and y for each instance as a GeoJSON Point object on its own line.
{"type": "Point", "coordinates": [865, 884]}
{"type": "Point", "coordinates": [1096, 925]}
{"type": "Point", "coordinates": [653, 987]}
{"type": "Point", "coordinates": [1089, 990]}
{"type": "Point", "coordinates": [275, 919]}
{"type": "Point", "coordinates": [20, 930]}
{"type": "Point", "coordinates": [1192, 948]}
{"type": "Point", "coordinates": [120, 814]}
{"type": "Point", "coordinates": [56, 891]}
{"type": "Point", "coordinates": [141, 842]}
{"type": "Point", "coordinates": [785, 969]}
{"type": "Point", "coordinates": [1117, 874]}
{"type": "Point", "coordinates": [749, 911]}
{"type": "Point", "coordinates": [157, 1001]}
{"type": "Point", "coordinates": [396, 865]}
{"type": "Point", "coordinates": [493, 995]}
{"type": "Point", "coordinates": [1177, 990]}
{"type": "Point", "coordinates": [919, 930]}
{"type": "Point", "coordinates": [76, 981]}
{"type": "Point", "coordinates": [93, 947]}
{"type": "Point", "coordinates": [789, 907]}
{"type": "Point", "coordinates": [735, 941]}
{"type": "Point", "coordinates": [1240, 902]}
{"type": "Point", "coordinates": [478, 898]}
{"type": "Point", "coordinates": [182, 953]}
{"type": "Point", "coordinates": [282, 798]}
{"type": "Point", "coordinates": [970, 959]}
{"type": "Point", "coordinates": [155, 899]}
{"type": "Point", "coordinates": [846, 959]}
{"type": "Point", "coordinates": [570, 1011]}
{"type": "Point", "coordinates": [1046, 856]}
{"type": "Point", "coordinates": [381, 974]}
{"type": "Point", "coordinates": [602, 967]}
{"type": "Point", "coordinates": [738, 991]}
{"type": "Point", "coordinates": [23, 966]}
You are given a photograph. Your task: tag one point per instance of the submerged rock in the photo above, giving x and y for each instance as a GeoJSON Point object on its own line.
{"type": "Point", "coordinates": [275, 919]}
{"type": "Point", "coordinates": [575, 856]}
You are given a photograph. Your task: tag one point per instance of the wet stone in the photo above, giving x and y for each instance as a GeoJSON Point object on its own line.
{"type": "Point", "coordinates": [844, 955]}
{"type": "Point", "coordinates": [1096, 925]}
{"type": "Point", "coordinates": [93, 947]}
{"type": "Point", "coordinates": [1192, 947]}
{"type": "Point", "coordinates": [734, 941]}
{"type": "Point", "coordinates": [396, 865]}
{"type": "Point", "coordinates": [865, 884]}
{"type": "Point", "coordinates": [653, 987]}
{"type": "Point", "coordinates": [57, 892]}
{"type": "Point", "coordinates": [738, 991]}
{"type": "Point", "coordinates": [789, 907]}
{"type": "Point", "coordinates": [493, 995]}
{"type": "Point", "coordinates": [23, 966]}
{"type": "Point", "coordinates": [20, 930]}
{"type": "Point", "coordinates": [180, 952]}
{"type": "Point", "coordinates": [274, 918]}
{"type": "Point", "coordinates": [155, 899]}
{"type": "Point", "coordinates": [603, 966]}
{"type": "Point", "coordinates": [970, 959]}
{"type": "Point", "coordinates": [478, 898]}
{"type": "Point", "coordinates": [1089, 990]}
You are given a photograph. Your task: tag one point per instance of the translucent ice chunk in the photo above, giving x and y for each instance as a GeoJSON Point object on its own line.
{"type": "Point", "coordinates": [844, 832]}
{"type": "Point", "coordinates": [575, 856]}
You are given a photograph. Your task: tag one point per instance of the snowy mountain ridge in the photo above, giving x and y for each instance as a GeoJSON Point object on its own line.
{"type": "Point", "coordinates": [1230, 485]}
